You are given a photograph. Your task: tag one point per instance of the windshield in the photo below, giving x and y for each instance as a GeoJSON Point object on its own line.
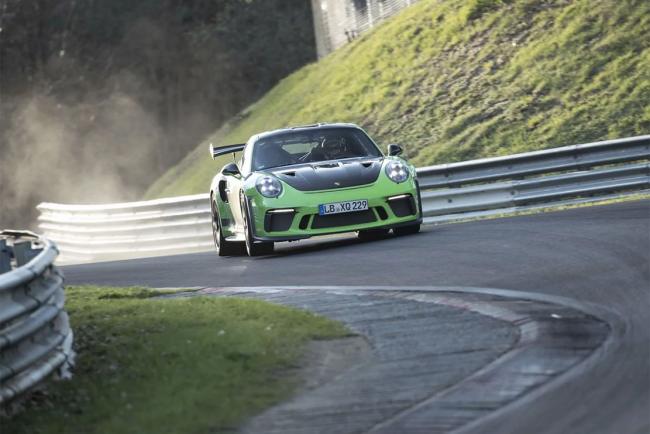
{"type": "Point", "coordinates": [312, 146]}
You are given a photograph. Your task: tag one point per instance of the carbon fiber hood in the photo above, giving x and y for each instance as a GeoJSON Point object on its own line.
{"type": "Point", "coordinates": [329, 175]}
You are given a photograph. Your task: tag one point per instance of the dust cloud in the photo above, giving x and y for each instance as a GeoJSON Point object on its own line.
{"type": "Point", "coordinates": [97, 151]}
{"type": "Point", "coordinates": [98, 99]}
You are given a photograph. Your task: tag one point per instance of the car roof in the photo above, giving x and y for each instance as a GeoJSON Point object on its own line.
{"type": "Point", "coordinates": [312, 127]}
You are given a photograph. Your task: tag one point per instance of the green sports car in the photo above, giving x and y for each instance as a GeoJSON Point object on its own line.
{"type": "Point", "coordinates": [299, 182]}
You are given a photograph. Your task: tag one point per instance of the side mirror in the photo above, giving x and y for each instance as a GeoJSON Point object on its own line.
{"type": "Point", "coordinates": [230, 169]}
{"type": "Point", "coordinates": [394, 149]}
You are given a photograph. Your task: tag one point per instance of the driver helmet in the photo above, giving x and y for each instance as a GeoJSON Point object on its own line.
{"type": "Point", "coordinates": [334, 147]}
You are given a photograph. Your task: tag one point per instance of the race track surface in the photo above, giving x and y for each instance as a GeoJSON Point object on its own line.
{"type": "Point", "coordinates": [598, 256]}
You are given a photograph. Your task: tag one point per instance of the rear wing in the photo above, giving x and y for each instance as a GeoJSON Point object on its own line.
{"type": "Point", "coordinates": [223, 150]}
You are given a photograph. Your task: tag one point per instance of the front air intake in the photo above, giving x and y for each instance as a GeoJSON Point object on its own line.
{"type": "Point", "coordinates": [343, 219]}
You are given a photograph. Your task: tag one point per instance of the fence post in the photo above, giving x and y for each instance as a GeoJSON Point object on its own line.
{"type": "Point", "coordinates": [24, 252]}
{"type": "Point", "coordinates": [5, 257]}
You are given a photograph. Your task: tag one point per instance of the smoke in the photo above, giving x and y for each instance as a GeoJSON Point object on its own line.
{"type": "Point", "coordinates": [98, 99]}
{"type": "Point", "coordinates": [102, 149]}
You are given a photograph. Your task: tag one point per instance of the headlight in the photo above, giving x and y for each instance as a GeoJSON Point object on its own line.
{"type": "Point", "coordinates": [268, 186]}
{"type": "Point", "coordinates": [397, 171]}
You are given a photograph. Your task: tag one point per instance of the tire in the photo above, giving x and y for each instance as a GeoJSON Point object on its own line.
{"type": "Point", "coordinates": [254, 248]}
{"type": "Point", "coordinates": [372, 234]}
{"type": "Point", "coordinates": [223, 246]}
{"type": "Point", "coordinates": [407, 230]}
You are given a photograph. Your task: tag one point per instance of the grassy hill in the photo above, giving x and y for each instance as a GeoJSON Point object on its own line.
{"type": "Point", "coordinates": [453, 80]}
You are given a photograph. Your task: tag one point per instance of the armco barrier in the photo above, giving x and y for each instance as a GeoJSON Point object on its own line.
{"type": "Point", "coordinates": [127, 230]}
{"type": "Point", "coordinates": [35, 336]}
{"type": "Point", "coordinates": [449, 191]}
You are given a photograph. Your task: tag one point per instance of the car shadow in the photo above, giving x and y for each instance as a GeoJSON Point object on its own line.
{"type": "Point", "coordinates": [315, 245]}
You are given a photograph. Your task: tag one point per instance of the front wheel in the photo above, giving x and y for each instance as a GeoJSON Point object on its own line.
{"type": "Point", "coordinates": [407, 230]}
{"type": "Point", "coordinates": [223, 246]}
{"type": "Point", "coordinates": [254, 248]}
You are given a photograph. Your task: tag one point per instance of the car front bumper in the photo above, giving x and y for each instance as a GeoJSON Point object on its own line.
{"type": "Point", "coordinates": [294, 215]}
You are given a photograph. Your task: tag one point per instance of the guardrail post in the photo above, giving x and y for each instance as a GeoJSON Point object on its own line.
{"type": "Point", "coordinates": [24, 252]}
{"type": "Point", "coordinates": [5, 257]}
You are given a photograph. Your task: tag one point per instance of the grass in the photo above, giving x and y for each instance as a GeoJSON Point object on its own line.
{"type": "Point", "coordinates": [453, 80]}
{"type": "Point", "coordinates": [181, 365]}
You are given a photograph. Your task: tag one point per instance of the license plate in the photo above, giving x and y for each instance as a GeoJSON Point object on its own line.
{"type": "Point", "coordinates": [339, 207]}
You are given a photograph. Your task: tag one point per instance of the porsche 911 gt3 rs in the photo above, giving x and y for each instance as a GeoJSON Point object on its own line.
{"type": "Point", "coordinates": [299, 182]}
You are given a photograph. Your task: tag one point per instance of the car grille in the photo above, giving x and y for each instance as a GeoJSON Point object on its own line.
{"type": "Point", "coordinates": [343, 219]}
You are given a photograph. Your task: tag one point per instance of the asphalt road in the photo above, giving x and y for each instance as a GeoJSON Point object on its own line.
{"type": "Point", "coordinates": [598, 255]}
{"type": "Point", "coordinates": [420, 348]}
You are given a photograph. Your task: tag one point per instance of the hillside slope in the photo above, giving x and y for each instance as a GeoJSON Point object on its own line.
{"type": "Point", "coordinates": [453, 80]}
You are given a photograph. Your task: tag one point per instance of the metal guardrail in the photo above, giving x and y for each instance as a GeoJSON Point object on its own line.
{"type": "Point", "coordinates": [449, 191]}
{"type": "Point", "coordinates": [35, 336]}
{"type": "Point", "coordinates": [128, 230]}
{"type": "Point", "coordinates": [540, 178]}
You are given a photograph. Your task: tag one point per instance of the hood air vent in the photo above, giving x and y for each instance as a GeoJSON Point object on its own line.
{"type": "Point", "coordinates": [336, 174]}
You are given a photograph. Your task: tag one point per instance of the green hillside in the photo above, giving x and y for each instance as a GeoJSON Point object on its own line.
{"type": "Point", "coordinates": [453, 80]}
